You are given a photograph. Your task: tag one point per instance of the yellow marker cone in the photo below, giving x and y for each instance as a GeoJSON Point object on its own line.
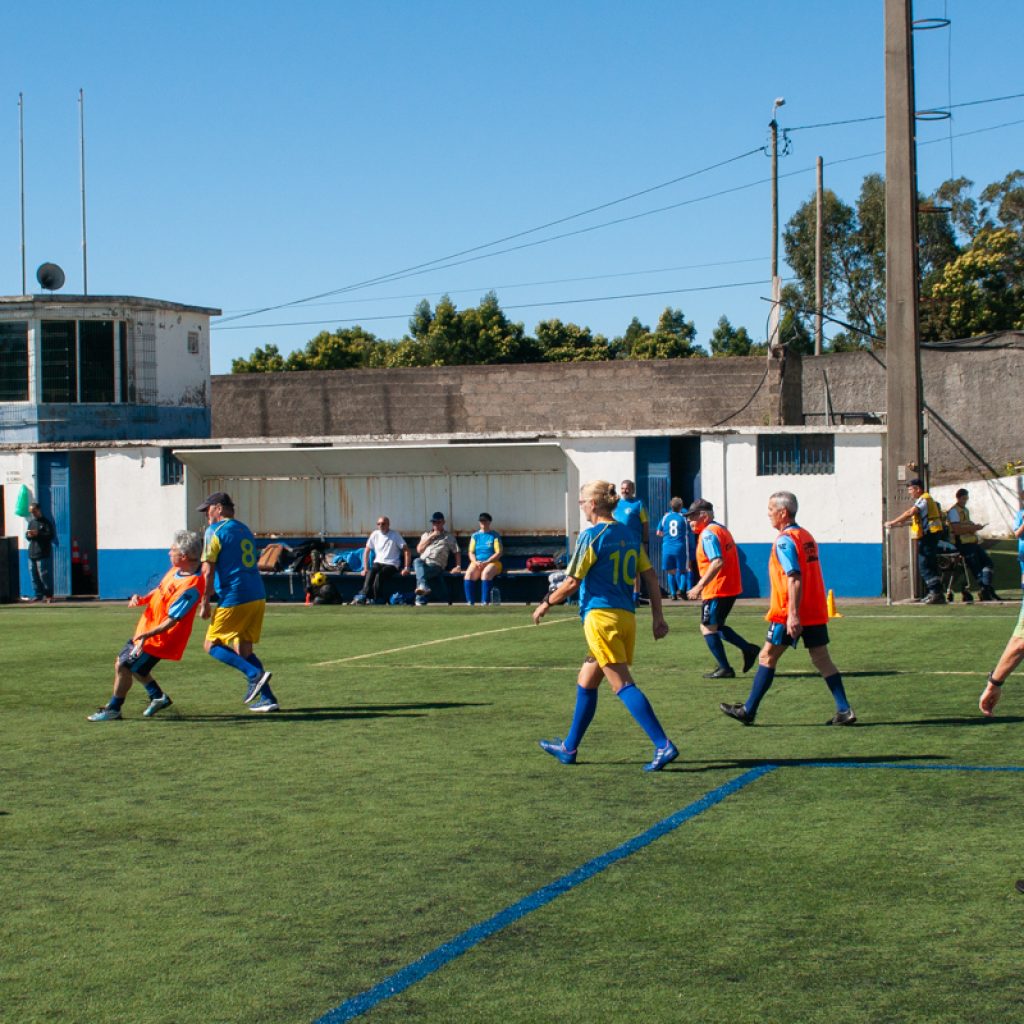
{"type": "Point", "coordinates": [833, 612]}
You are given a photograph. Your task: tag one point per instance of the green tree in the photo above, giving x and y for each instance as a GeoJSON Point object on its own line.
{"type": "Point", "coordinates": [727, 340]}
{"type": "Point", "coordinates": [347, 348]}
{"type": "Point", "coordinates": [673, 338]}
{"type": "Point", "coordinates": [981, 291]}
{"type": "Point", "coordinates": [559, 342]}
{"type": "Point", "coordinates": [263, 360]}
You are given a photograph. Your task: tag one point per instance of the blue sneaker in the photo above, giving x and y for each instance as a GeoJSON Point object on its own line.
{"type": "Point", "coordinates": [105, 715]}
{"type": "Point", "coordinates": [265, 705]}
{"type": "Point", "coordinates": [662, 757]}
{"type": "Point", "coordinates": [157, 704]}
{"type": "Point", "coordinates": [556, 748]}
{"type": "Point", "coordinates": [255, 689]}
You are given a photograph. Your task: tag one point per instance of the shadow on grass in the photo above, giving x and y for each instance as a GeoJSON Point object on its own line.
{"type": "Point", "coordinates": [330, 714]}
{"type": "Point", "coordinates": [746, 763]}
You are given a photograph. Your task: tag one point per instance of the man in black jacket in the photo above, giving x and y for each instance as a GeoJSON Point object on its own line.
{"type": "Point", "coordinates": [40, 534]}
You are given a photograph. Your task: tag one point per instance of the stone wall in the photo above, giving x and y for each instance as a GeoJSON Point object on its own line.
{"type": "Point", "coordinates": [972, 395]}
{"type": "Point", "coordinates": [496, 401]}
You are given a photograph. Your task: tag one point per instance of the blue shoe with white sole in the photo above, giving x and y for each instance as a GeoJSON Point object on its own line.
{"type": "Point", "coordinates": [662, 757]}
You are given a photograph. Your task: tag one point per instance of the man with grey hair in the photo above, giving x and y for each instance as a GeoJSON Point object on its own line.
{"type": "Point", "coordinates": [163, 631]}
{"type": "Point", "coordinates": [798, 609]}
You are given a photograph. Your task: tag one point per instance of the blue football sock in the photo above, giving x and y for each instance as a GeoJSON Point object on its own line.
{"type": "Point", "coordinates": [253, 660]}
{"type": "Point", "coordinates": [153, 689]}
{"type": "Point", "coordinates": [717, 649]}
{"type": "Point", "coordinates": [730, 636]}
{"type": "Point", "coordinates": [640, 708]}
{"type": "Point", "coordinates": [763, 678]}
{"type": "Point", "coordinates": [236, 661]}
{"type": "Point", "coordinates": [586, 705]}
{"type": "Point", "coordinates": [835, 684]}
{"type": "Point", "coordinates": [673, 583]}
{"type": "Point", "coordinates": [485, 591]}
{"type": "Point", "coordinates": [115, 703]}
{"type": "Point", "coordinates": [467, 589]}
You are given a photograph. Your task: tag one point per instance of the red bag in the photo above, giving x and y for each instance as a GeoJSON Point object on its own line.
{"type": "Point", "coordinates": [540, 563]}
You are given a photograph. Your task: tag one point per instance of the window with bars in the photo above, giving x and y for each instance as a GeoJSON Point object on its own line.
{"type": "Point", "coordinates": [172, 470]}
{"type": "Point", "coordinates": [14, 361]}
{"type": "Point", "coordinates": [82, 361]}
{"type": "Point", "coordinates": [796, 454]}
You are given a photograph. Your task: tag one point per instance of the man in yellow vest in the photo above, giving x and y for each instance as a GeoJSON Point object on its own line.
{"type": "Point", "coordinates": [925, 519]}
{"type": "Point", "coordinates": [965, 537]}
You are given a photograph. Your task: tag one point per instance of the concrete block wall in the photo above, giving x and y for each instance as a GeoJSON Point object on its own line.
{"type": "Point", "coordinates": [522, 399]}
{"type": "Point", "coordinates": [971, 391]}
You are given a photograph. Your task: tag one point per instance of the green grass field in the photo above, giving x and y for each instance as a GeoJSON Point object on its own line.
{"type": "Point", "coordinates": [213, 865]}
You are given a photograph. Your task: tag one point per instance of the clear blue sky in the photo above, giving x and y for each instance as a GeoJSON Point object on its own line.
{"type": "Point", "coordinates": [248, 155]}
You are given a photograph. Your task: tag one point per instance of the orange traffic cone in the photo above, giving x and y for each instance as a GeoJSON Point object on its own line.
{"type": "Point", "coordinates": [833, 612]}
{"type": "Point", "coordinates": [76, 556]}
{"type": "Point", "coordinates": [309, 597]}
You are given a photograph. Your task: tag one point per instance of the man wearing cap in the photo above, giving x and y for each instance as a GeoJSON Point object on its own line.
{"type": "Point", "coordinates": [925, 518]}
{"type": "Point", "coordinates": [433, 551]}
{"type": "Point", "coordinates": [484, 561]}
{"type": "Point", "coordinates": [719, 585]}
{"type": "Point", "coordinates": [965, 536]}
{"type": "Point", "coordinates": [229, 565]}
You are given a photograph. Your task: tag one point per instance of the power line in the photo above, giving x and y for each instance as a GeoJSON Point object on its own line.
{"type": "Point", "coordinates": [536, 284]}
{"type": "Point", "coordinates": [498, 241]}
{"type": "Point", "coordinates": [881, 117]}
{"type": "Point", "coordinates": [439, 265]}
{"type": "Point", "coordinates": [522, 305]}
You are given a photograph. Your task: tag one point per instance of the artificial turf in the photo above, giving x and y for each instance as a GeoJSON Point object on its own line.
{"type": "Point", "coordinates": [216, 865]}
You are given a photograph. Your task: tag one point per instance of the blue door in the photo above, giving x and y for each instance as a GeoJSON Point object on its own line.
{"type": "Point", "coordinates": [54, 479]}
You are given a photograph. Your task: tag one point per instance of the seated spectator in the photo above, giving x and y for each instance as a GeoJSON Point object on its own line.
{"type": "Point", "coordinates": [434, 549]}
{"type": "Point", "coordinates": [484, 561]}
{"type": "Point", "coordinates": [965, 537]}
{"type": "Point", "coordinates": [390, 557]}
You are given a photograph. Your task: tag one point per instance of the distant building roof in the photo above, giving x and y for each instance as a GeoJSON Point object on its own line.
{"type": "Point", "coordinates": [16, 302]}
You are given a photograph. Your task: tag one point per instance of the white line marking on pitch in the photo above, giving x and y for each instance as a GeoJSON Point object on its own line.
{"type": "Point", "coordinates": [431, 643]}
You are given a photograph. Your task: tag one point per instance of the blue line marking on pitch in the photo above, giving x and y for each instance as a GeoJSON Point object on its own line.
{"type": "Point", "coordinates": [445, 954]}
{"type": "Point", "coordinates": [910, 767]}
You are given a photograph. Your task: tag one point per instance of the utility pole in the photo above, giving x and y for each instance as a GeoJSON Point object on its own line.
{"type": "Point", "coordinates": [819, 258]}
{"type": "Point", "coordinates": [81, 139]}
{"type": "Point", "coordinates": [773, 329]}
{"type": "Point", "coordinates": [903, 452]}
{"type": "Point", "coordinates": [21, 157]}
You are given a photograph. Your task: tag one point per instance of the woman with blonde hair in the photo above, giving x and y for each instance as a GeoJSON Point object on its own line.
{"type": "Point", "coordinates": [603, 570]}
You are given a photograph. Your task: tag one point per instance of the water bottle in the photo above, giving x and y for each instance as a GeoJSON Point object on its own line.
{"type": "Point", "coordinates": [496, 597]}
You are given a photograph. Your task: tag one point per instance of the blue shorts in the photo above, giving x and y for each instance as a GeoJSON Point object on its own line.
{"type": "Point", "coordinates": [716, 611]}
{"type": "Point", "coordinates": [812, 636]}
{"type": "Point", "coordinates": [141, 665]}
{"type": "Point", "coordinates": [673, 559]}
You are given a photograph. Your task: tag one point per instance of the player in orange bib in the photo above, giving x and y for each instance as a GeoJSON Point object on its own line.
{"type": "Point", "coordinates": [720, 583]}
{"type": "Point", "coordinates": [163, 631]}
{"type": "Point", "coordinates": [798, 609]}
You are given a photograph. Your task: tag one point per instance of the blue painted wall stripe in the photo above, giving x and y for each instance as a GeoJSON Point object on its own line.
{"type": "Point", "coordinates": [445, 954]}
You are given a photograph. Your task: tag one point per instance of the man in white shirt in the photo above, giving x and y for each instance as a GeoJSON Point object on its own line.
{"type": "Point", "coordinates": [390, 557]}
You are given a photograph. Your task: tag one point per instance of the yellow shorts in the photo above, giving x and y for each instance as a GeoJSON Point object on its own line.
{"type": "Point", "coordinates": [240, 622]}
{"type": "Point", "coordinates": [611, 635]}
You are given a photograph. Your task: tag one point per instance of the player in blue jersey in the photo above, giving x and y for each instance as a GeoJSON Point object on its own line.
{"type": "Point", "coordinates": [1018, 532]}
{"type": "Point", "coordinates": [229, 566]}
{"type": "Point", "coordinates": [607, 560]}
{"type": "Point", "coordinates": [631, 513]}
{"type": "Point", "coordinates": [675, 549]}
{"type": "Point", "coordinates": [484, 561]}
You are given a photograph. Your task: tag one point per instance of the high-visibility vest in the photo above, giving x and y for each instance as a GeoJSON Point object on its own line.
{"type": "Point", "coordinates": [727, 581]}
{"type": "Point", "coordinates": [813, 609]}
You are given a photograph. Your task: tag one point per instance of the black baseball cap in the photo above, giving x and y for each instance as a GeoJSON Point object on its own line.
{"type": "Point", "coordinates": [700, 505]}
{"type": "Point", "coordinates": [485, 515]}
{"type": "Point", "coordinates": [437, 517]}
{"type": "Point", "coordinates": [217, 498]}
